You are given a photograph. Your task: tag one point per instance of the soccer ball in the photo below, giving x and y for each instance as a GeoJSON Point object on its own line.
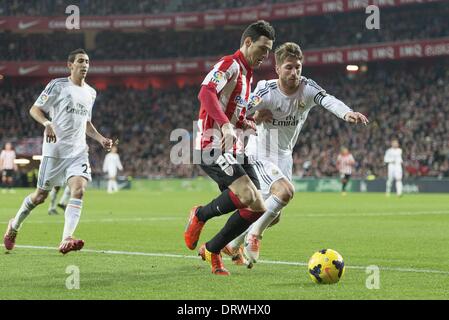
{"type": "Point", "coordinates": [326, 266]}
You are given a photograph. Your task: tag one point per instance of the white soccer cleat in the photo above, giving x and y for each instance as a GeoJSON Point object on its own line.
{"type": "Point", "coordinates": [251, 248]}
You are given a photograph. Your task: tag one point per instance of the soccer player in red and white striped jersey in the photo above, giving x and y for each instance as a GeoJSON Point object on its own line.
{"type": "Point", "coordinates": [223, 96]}
{"type": "Point", "coordinates": [345, 164]}
{"type": "Point", "coordinates": [7, 166]}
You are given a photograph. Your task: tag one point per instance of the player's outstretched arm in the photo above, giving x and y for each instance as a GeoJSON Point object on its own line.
{"type": "Point", "coordinates": [92, 132]}
{"type": "Point", "coordinates": [38, 115]}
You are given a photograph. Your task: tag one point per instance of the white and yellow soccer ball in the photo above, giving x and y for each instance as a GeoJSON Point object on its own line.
{"type": "Point", "coordinates": [326, 266]}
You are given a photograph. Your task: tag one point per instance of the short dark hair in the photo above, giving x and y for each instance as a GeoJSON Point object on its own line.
{"type": "Point", "coordinates": [72, 55]}
{"type": "Point", "coordinates": [256, 30]}
{"type": "Point", "coordinates": [288, 49]}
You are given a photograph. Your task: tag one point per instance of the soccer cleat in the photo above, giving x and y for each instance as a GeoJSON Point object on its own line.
{"type": "Point", "coordinates": [53, 212]}
{"type": "Point", "coordinates": [193, 229]}
{"type": "Point", "coordinates": [9, 240]}
{"type": "Point", "coordinates": [214, 260]}
{"type": "Point", "coordinates": [62, 206]}
{"type": "Point", "coordinates": [236, 255]}
{"type": "Point", "coordinates": [70, 244]}
{"type": "Point", "coordinates": [251, 247]}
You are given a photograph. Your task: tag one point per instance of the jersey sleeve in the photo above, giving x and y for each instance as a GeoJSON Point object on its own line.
{"type": "Point", "coordinates": [315, 95]}
{"type": "Point", "coordinates": [49, 96]}
{"type": "Point", "coordinates": [259, 98]}
{"type": "Point", "coordinates": [94, 96]}
{"type": "Point", "coordinates": [387, 157]}
{"type": "Point", "coordinates": [221, 73]}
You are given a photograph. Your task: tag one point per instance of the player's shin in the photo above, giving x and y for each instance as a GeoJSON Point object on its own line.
{"type": "Point", "coordinates": [274, 205]}
{"type": "Point", "coordinates": [226, 202]}
{"type": "Point", "coordinates": [52, 195]}
{"type": "Point", "coordinates": [72, 217]}
{"type": "Point", "coordinates": [399, 187]}
{"type": "Point", "coordinates": [24, 211]}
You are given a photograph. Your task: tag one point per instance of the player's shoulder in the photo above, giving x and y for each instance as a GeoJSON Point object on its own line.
{"type": "Point", "coordinates": [309, 82]}
{"type": "Point", "coordinates": [57, 83]}
{"type": "Point", "coordinates": [265, 86]}
{"type": "Point", "coordinates": [227, 62]}
{"type": "Point", "coordinates": [91, 89]}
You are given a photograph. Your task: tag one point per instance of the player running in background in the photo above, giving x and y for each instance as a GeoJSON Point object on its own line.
{"type": "Point", "coordinates": [393, 158]}
{"type": "Point", "coordinates": [7, 167]}
{"type": "Point", "coordinates": [224, 94]}
{"type": "Point", "coordinates": [111, 165]}
{"type": "Point", "coordinates": [281, 107]}
{"type": "Point", "coordinates": [63, 201]}
{"type": "Point", "coordinates": [345, 164]}
{"type": "Point", "coordinates": [69, 102]}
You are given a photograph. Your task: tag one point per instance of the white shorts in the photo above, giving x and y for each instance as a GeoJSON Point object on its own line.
{"type": "Point", "coordinates": [395, 173]}
{"type": "Point", "coordinates": [54, 172]}
{"type": "Point", "coordinates": [268, 173]}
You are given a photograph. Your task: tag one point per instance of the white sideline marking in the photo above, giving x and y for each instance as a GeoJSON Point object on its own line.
{"type": "Point", "coordinates": [287, 215]}
{"type": "Point", "coordinates": [50, 221]}
{"type": "Point", "coordinates": [289, 263]}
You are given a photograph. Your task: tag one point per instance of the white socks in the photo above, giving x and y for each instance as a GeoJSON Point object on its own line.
{"type": "Point", "coordinates": [65, 197]}
{"type": "Point", "coordinates": [274, 205]}
{"type": "Point", "coordinates": [72, 217]}
{"type": "Point", "coordinates": [399, 187]}
{"type": "Point", "coordinates": [389, 184]}
{"type": "Point", "coordinates": [112, 186]}
{"type": "Point", "coordinates": [24, 211]}
{"type": "Point", "coordinates": [53, 194]}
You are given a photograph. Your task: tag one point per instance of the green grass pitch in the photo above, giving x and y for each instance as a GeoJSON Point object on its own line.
{"type": "Point", "coordinates": [135, 249]}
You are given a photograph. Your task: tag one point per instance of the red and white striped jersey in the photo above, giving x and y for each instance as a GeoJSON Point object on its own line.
{"type": "Point", "coordinates": [7, 159]}
{"type": "Point", "coordinates": [231, 78]}
{"type": "Point", "coordinates": [345, 163]}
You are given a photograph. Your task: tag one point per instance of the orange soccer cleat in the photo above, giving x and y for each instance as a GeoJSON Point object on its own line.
{"type": "Point", "coordinates": [193, 229]}
{"type": "Point", "coordinates": [214, 260]}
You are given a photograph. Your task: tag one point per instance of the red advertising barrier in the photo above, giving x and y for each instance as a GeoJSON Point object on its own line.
{"type": "Point", "coordinates": [347, 55]}
{"type": "Point", "coordinates": [200, 19]}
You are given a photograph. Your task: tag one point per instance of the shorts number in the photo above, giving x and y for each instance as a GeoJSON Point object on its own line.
{"type": "Point", "coordinates": [225, 161]}
{"type": "Point", "coordinates": [86, 168]}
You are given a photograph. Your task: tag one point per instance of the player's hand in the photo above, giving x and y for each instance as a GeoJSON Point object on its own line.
{"type": "Point", "coordinates": [229, 137]}
{"type": "Point", "coordinates": [356, 117]}
{"type": "Point", "coordinates": [106, 143]}
{"type": "Point", "coordinates": [49, 132]}
{"type": "Point", "coordinates": [263, 115]}
{"type": "Point", "coordinates": [246, 124]}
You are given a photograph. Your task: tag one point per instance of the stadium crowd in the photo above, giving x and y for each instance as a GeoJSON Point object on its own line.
{"type": "Point", "coordinates": [408, 105]}
{"type": "Point", "coordinates": [409, 23]}
{"type": "Point", "coordinates": [108, 7]}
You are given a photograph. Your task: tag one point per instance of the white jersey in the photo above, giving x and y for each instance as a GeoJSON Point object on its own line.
{"type": "Point", "coordinates": [393, 157]}
{"type": "Point", "coordinates": [111, 164]}
{"type": "Point", "coordinates": [70, 107]}
{"type": "Point", "coordinates": [7, 159]}
{"type": "Point", "coordinates": [289, 114]}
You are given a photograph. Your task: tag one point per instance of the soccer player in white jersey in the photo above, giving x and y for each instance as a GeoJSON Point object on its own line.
{"type": "Point", "coordinates": [345, 163]}
{"type": "Point", "coordinates": [393, 157]}
{"type": "Point", "coordinates": [281, 107]}
{"type": "Point", "coordinates": [63, 201]}
{"type": "Point", "coordinates": [7, 166]}
{"type": "Point", "coordinates": [111, 165]}
{"type": "Point", "coordinates": [69, 102]}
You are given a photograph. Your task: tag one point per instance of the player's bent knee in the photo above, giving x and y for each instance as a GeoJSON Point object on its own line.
{"type": "Point", "coordinates": [247, 196]}
{"type": "Point", "coordinates": [78, 192]}
{"type": "Point", "coordinates": [39, 197]}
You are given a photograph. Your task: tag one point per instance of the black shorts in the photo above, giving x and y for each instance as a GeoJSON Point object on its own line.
{"type": "Point", "coordinates": [8, 173]}
{"type": "Point", "coordinates": [346, 176]}
{"type": "Point", "coordinates": [225, 170]}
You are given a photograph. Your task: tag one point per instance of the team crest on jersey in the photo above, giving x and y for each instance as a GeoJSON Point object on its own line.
{"type": "Point", "coordinates": [274, 172]}
{"type": "Point", "coordinates": [217, 76]}
{"type": "Point", "coordinates": [229, 171]}
{"type": "Point", "coordinates": [43, 98]}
